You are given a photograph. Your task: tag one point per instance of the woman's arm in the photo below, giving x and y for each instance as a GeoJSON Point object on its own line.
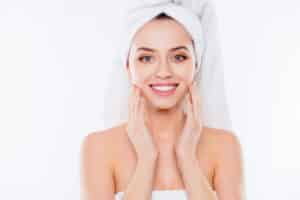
{"type": "Point", "coordinates": [194, 179]}
{"type": "Point", "coordinates": [97, 180]}
{"type": "Point", "coordinates": [229, 173]}
{"type": "Point", "coordinates": [140, 186]}
{"type": "Point", "coordinates": [96, 168]}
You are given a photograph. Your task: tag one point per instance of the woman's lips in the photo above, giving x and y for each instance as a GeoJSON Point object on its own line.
{"type": "Point", "coordinates": [164, 89]}
{"type": "Point", "coordinates": [163, 84]}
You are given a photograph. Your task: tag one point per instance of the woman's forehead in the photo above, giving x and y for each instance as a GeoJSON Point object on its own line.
{"type": "Point", "coordinates": [170, 48]}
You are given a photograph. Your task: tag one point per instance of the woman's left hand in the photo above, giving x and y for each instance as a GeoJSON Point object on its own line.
{"type": "Point", "coordinates": [186, 145]}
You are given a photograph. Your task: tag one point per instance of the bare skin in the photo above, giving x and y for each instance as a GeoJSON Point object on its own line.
{"type": "Point", "coordinates": [216, 145]}
{"type": "Point", "coordinates": [167, 174]}
{"type": "Point", "coordinates": [113, 160]}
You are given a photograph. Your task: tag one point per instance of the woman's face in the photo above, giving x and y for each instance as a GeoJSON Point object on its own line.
{"type": "Point", "coordinates": [162, 52]}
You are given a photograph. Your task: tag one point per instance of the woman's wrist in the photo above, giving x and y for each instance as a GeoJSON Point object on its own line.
{"type": "Point", "coordinates": [140, 186]}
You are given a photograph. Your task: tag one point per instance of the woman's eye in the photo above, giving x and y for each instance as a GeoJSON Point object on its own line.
{"type": "Point", "coordinates": [148, 58]}
{"type": "Point", "coordinates": [180, 57]}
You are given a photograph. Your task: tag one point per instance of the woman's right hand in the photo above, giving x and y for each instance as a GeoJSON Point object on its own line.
{"type": "Point", "coordinates": [137, 130]}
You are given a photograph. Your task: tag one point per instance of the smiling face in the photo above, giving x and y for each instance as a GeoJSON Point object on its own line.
{"type": "Point", "coordinates": [162, 52]}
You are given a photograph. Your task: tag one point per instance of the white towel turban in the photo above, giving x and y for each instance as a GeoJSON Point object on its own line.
{"type": "Point", "coordinates": [199, 19]}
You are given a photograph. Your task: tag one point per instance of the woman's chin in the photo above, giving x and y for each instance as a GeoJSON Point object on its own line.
{"type": "Point", "coordinates": [163, 105]}
{"type": "Point", "coordinates": [163, 102]}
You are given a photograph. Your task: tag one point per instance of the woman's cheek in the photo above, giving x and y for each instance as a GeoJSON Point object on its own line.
{"type": "Point", "coordinates": [136, 75]}
{"type": "Point", "coordinates": [139, 77]}
{"type": "Point", "coordinates": [184, 74]}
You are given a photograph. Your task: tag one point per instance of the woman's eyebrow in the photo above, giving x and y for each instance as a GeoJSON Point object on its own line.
{"type": "Point", "coordinates": [172, 49]}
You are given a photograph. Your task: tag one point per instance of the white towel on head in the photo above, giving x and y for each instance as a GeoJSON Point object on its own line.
{"type": "Point", "coordinates": [143, 13]}
{"type": "Point", "coordinates": [199, 19]}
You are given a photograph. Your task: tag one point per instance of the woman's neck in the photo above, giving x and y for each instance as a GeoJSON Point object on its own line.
{"type": "Point", "coordinates": [165, 125]}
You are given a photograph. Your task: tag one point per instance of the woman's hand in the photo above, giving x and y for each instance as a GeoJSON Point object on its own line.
{"type": "Point", "coordinates": [137, 130]}
{"type": "Point", "coordinates": [187, 143]}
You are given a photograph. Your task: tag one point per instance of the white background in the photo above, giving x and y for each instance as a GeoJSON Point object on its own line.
{"type": "Point", "coordinates": [54, 60]}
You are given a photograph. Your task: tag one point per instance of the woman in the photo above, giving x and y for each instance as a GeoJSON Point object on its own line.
{"type": "Point", "coordinates": [164, 150]}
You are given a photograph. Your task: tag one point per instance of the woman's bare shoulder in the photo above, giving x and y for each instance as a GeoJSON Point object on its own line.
{"type": "Point", "coordinates": [218, 139]}
{"type": "Point", "coordinates": [97, 163]}
{"type": "Point", "coordinates": [224, 142]}
{"type": "Point", "coordinates": [106, 136]}
{"type": "Point", "coordinates": [224, 138]}
{"type": "Point", "coordinates": [229, 170]}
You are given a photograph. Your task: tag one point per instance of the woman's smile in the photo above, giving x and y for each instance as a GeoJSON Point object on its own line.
{"type": "Point", "coordinates": [164, 89]}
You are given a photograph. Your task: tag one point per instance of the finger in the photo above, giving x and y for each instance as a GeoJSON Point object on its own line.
{"type": "Point", "coordinates": [145, 114]}
{"type": "Point", "coordinates": [131, 97]}
{"type": "Point", "coordinates": [191, 98]}
{"type": "Point", "coordinates": [189, 109]}
{"type": "Point", "coordinates": [198, 109]}
{"type": "Point", "coordinates": [197, 106]}
{"type": "Point", "coordinates": [131, 106]}
{"type": "Point", "coordinates": [195, 100]}
{"type": "Point", "coordinates": [141, 109]}
{"type": "Point", "coordinates": [129, 109]}
{"type": "Point", "coordinates": [136, 104]}
{"type": "Point", "coordinates": [141, 112]}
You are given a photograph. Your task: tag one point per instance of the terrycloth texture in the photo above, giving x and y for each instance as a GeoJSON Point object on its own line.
{"type": "Point", "coordinates": [199, 19]}
{"type": "Point", "coordinates": [161, 195]}
{"type": "Point", "coordinates": [179, 194]}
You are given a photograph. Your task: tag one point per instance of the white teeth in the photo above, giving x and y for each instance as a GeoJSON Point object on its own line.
{"type": "Point", "coordinates": [163, 88]}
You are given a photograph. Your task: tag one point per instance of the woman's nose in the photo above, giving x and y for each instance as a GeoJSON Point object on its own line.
{"type": "Point", "coordinates": [164, 70]}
